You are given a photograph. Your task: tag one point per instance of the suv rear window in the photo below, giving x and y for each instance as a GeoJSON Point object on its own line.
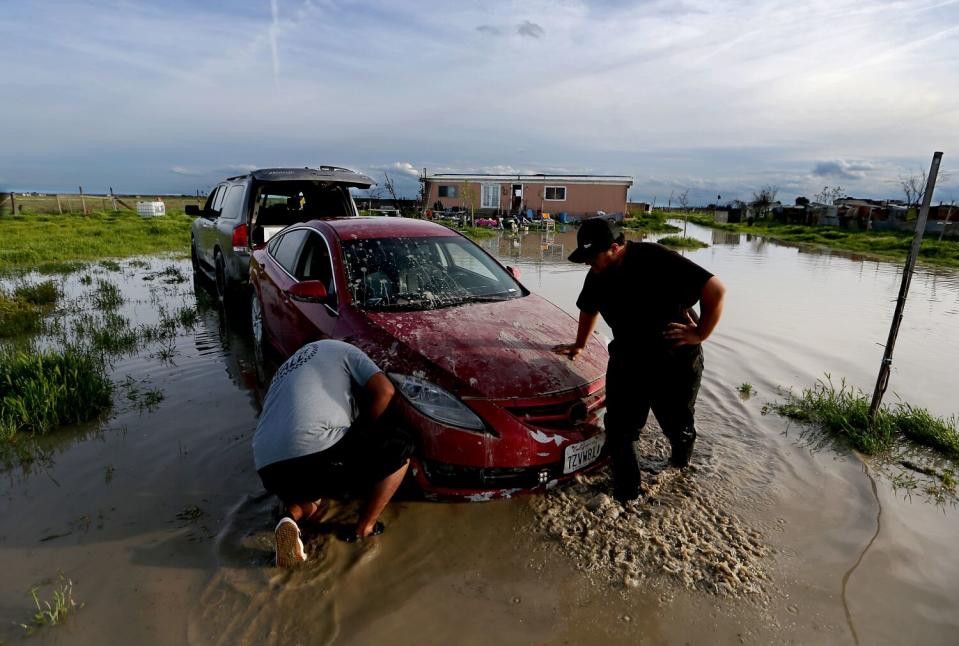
{"type": "Point", "coordinates": [285, 203]}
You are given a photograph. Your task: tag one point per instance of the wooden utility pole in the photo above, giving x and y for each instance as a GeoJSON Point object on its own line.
{"type": "Point", "coordinates": [13, 204]}
{"type": "Point", "coordinates": [883, 380]}
{"type": "Point", "coordinates": [83, 205]}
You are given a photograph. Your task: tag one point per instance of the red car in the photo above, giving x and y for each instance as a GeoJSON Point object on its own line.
{"type": "Point", "coordinates": [494, 411]}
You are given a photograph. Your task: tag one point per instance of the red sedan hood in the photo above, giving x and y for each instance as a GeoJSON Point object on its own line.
{"type": "Point", "coordinates": [503, 350]}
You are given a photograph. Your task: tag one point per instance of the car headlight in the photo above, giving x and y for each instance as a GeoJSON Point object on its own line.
{"type": "Point", "coordinates": [434, 402]}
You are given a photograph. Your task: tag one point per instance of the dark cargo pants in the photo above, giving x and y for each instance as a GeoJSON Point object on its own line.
{"type": "Point", "coordinates": [636, 383]}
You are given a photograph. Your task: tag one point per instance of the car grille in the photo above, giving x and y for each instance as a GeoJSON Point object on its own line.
{"type": "Point", "coordinates": [460, 477]}
{"type": "Point", "coordinates": [566, 414]}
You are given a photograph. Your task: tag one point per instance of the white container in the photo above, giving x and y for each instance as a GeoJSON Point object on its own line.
{"type": "Point", "coordinates": [150, 209]}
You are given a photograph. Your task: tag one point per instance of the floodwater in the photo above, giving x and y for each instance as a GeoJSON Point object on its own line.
{"type": "Point", "coordinates": [157, 517]}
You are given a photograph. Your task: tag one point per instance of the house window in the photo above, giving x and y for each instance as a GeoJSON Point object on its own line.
{"type": "Point", "coordinates": [555, 193]}
{"type": "Point", "coordinates": [448, 191]}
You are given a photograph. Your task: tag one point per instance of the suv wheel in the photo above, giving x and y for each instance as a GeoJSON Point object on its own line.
{"type": "Point", "coordinates": [194, 260]}
{"type": "Point", "coordinates": [222, 286]}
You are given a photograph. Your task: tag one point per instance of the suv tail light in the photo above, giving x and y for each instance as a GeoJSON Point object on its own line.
{"type": "Point", "coordinates": [240, 240]}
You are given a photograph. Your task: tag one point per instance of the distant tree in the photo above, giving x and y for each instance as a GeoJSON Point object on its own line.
{"type": "Point", "coordinates": [763, 200]}
{"type": "Point", "coordinates": [802, 201]}
{"type": "Point", "coordinates": [683, 200]}
{"type": "Point", "coordinates": [829, 195]}
{"type": "Point", "coordinates": [914, 188]}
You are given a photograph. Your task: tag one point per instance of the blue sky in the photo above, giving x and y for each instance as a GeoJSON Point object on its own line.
{"type": "Point", "coordinates": [721, 98]}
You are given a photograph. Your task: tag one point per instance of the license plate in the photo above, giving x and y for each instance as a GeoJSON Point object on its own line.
{"type": "Point", "coordinates": [583, 453]}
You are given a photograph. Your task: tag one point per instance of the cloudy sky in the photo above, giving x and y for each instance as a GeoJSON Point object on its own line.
{"type": "Point", "coordinates": [717, 97]}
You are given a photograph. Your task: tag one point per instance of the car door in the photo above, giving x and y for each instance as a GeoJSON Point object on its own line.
{"type": "Point", "coordinates": [310, 321]}
{"type": "Point", "coordinates": [207, 234]}
{"type": "Point", "coordinates": [279, 315]}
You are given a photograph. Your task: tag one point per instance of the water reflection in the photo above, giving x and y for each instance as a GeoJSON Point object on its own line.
{"type": "Point", "coordinates": [793, 313]}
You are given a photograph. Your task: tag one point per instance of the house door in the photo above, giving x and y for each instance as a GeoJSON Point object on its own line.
{"type": "Point", "coordinates": [490, 196]}
{"type": "Point", "coordinates": [517, 199]}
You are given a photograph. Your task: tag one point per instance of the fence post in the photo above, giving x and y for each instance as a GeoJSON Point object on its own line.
{"type": "Point", "coordinates": [13, 204]}
{"type": "Point", "coordinates": [113, 199]}
{"type": "Point", "coordinates": [59, 208]}
{"type": "Point", "coordinates": [885, 368]}
{"type": "Point", "coordinates": [83, 205]}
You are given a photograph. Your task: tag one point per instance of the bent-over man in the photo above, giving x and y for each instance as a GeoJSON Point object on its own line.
{"type": "Point", "coordinates": [644, 292]}
{"type": "Point", "coordinates": [324, 427]}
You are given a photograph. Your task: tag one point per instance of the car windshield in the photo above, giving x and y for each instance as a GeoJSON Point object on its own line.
{"type": "Point", "coordinates": [423, 273]}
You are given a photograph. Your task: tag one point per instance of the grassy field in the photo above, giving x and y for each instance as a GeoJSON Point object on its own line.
{"type": "Point", "coordinates": [889, 245]}
{"type": "Point", "coordinates": [59, 243]}
{"type": "Point", "coordinates": [71, 203]}
{"type": "Point", "coordinates": [654, 222]}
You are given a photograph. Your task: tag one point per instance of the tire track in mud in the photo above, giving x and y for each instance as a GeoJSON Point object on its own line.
{"type": "Point", "coordinates": [682, 530]}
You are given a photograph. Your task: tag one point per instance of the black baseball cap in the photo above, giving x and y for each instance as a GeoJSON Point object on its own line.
{"type": "Point", "coordinates": [595, 236]}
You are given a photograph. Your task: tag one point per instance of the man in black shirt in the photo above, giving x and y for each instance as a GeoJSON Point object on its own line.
{"type": "Point", "coordinates": [644, 292]}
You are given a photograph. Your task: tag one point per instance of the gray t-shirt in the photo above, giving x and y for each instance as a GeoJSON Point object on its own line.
{"type": "Point", "coordinates": [310, 404]}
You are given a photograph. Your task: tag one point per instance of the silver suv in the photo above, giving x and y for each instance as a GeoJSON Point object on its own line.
{"type": "Point", "coordinates": [242, 212]}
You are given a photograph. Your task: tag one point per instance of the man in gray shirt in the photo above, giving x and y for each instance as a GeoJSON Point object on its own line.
{"type": "Point", "coordinates": [324, 428]}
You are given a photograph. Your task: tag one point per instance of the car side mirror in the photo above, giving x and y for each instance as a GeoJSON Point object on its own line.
{"type": "Point", "coordinates": [192, 209]}
{"type": "Point", "coordinates": [309, 291]}
{"type": "Point", "coordinates": [513, 271]}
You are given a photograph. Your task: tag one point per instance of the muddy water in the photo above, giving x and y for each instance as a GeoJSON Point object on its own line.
{"type": "Point", "coordinates": [157, 516]}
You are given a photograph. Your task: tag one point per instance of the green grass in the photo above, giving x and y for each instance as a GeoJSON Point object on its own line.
{"type": "Point", "coordinates": [21, 312]}
{"type": "Point", "coordinates": [54, 611]}
{"type": "Point", "coordinates": [654, 222]}
{"type": "Point", "coordinates": [45, 241]}
{"type": "Point", "coordinates": [682, 243]}
{"type": "Point", "coordinates": [889, 245]}
{"type": "Point", "coordinates": [843, 412]}
{"type": "Point", "coordinates": [107, 296]}
{"type": "Point", "coordinates": [477, 233]}
{"type": "Point", "coordinates": [745, 389]}
{"type": "Point", "coordinates": [42, 391]}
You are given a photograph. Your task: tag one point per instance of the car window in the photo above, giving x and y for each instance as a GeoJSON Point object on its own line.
{"type": "Point", "coordinates": [288, 249]}
{"type": "Point", "coordinates": [211, 200]}
{"type": "Point", "coordinates": [218, 199]}
{"type": "Point", "coordinates": [466, 258]}
{"type": "Point", "coordinates": [233, 202]}
{"type": "Point", "coordinates": [285, 203]}
{"type": "Point", "coordinates": [314, 262]}
{"type": "Point", "coordinates": [421, 273]}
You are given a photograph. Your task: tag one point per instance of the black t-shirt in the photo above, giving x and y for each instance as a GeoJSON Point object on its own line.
{"type": "Point", "coordinates": [652, 287]}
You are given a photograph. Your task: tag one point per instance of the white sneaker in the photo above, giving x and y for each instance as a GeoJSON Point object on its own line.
{"type": "Point", "coordinates": [289, 546]}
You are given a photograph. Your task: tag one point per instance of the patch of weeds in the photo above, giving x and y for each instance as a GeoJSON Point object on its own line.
{"type": "Point", "coordinates": [188, 317]}
{"type": "Point", "coordinates": [844, 412]}
{"type": "Point", "coordinates": [18, 318]}
{"type": "Point", "coordinates": [54, 611]}
{"type": "Point", "coordinates": [86, 279]}
{"type": "Point", "coordinates": [190, 514]}
{"type": "Point", "coordinates": [143, 399]}
{"type": "Point", "coordinates": [649, 222]}
{"type": "Point", "coordinates": [167, 353]}
{"type": "Point", "coordinates": [682, 243]}
{"type": "Point", "coordinates": [60, 267]}
{"type": "Point", "coordinates": [22, 311]}
{"type": "Point", "coordinates": [114, 335]}
{"type": "Point", "coordinates": [42, 391]}
{"type": "Point", "coordinates": [110, 265]}
{"type": "Point", "coordinates": [169, 275]}
{"type": "Point", "coordinates": [139, 264]}
{"type": "Point", "coordinates": [745, 390]}
{"type": "Point", "coordinates": [107, 295]}
{"type": "Point", "coordinates": [43, 294]}
{"type": "Point", "coordinates": [923, 428]}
